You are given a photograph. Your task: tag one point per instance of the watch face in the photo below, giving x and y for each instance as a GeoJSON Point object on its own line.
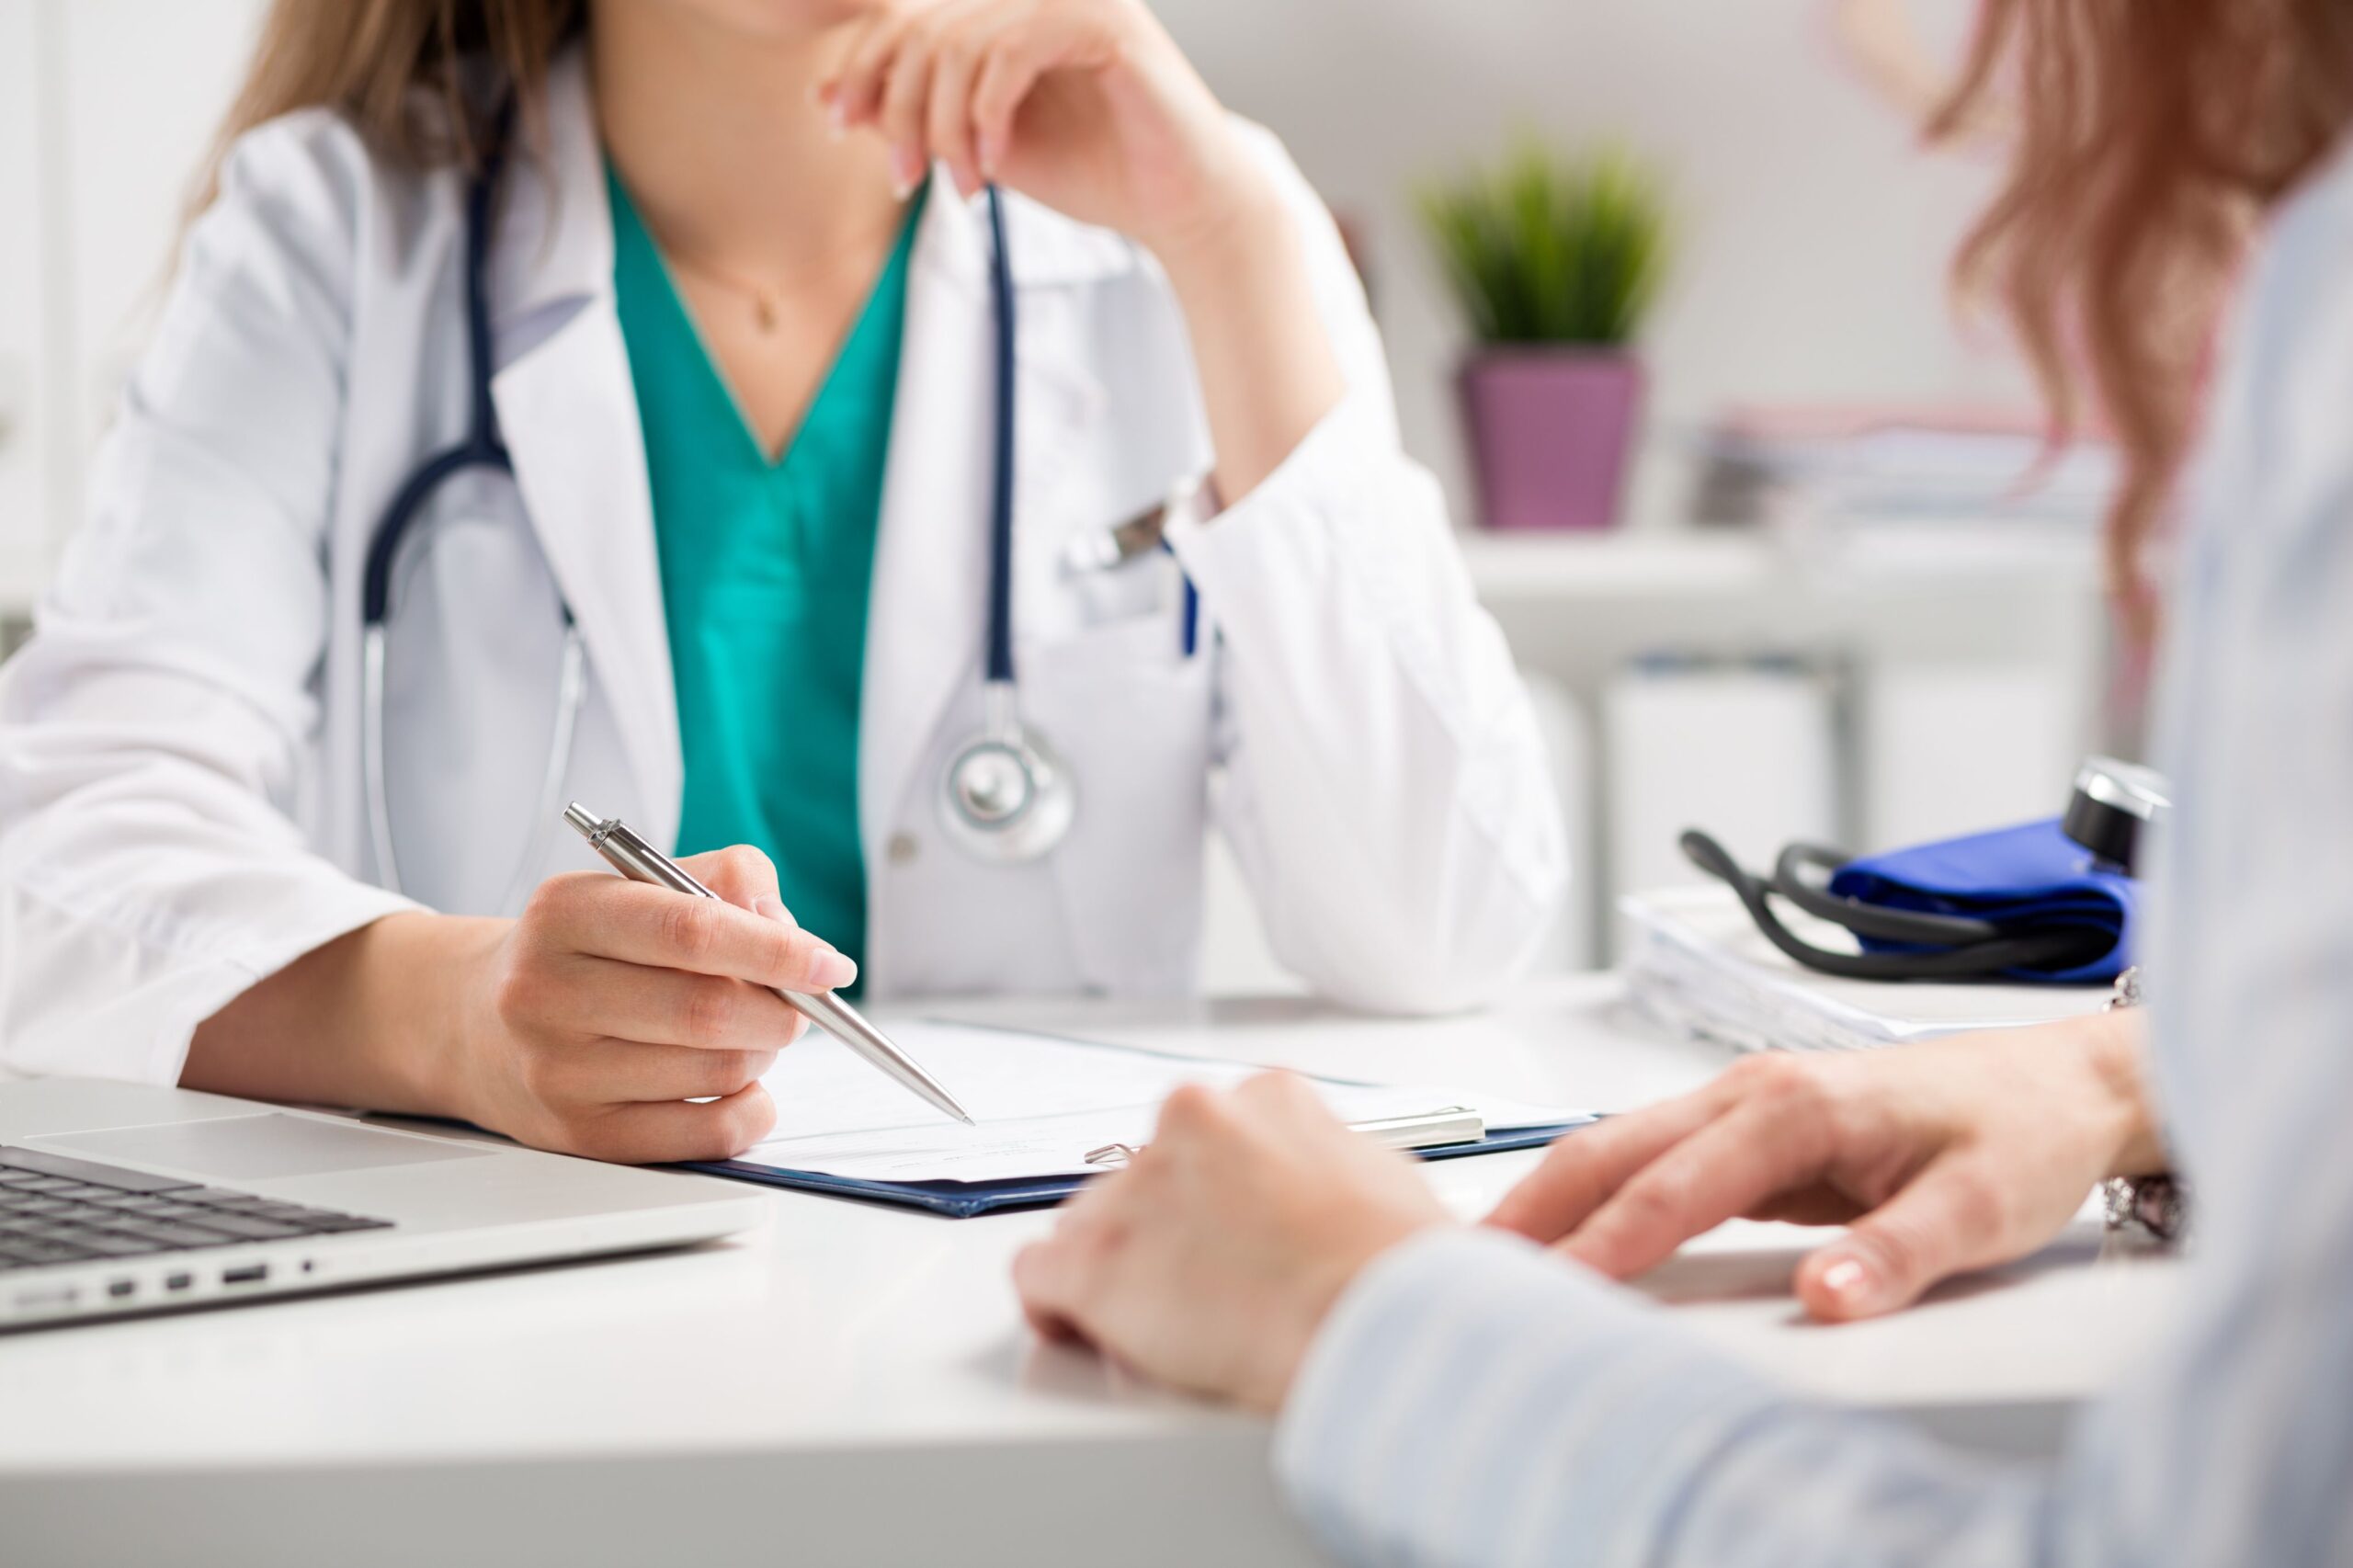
{"type": "Point", "coordinates": [2156, 1204]}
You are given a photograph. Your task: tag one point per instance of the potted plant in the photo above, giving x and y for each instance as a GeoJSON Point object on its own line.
{"type": "Point", "coordinates": [1554, 260]}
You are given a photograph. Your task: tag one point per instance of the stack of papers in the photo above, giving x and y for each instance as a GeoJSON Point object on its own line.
{"type": "Point", "coordinates": [1862, 465]}
{"type": "Point", "coordinates": [1041, 1103]}
{"type": "Point", "coordinates": [1697, 964]}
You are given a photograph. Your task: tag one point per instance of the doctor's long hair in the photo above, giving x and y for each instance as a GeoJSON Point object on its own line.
{"type": "Point", "coordinates": [416, 77]}
{"type": "Point", "coordinates": [2150, 135]}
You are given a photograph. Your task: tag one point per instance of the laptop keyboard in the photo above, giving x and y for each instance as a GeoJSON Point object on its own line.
{"type": "Point", "coordinates": [55, 1209]}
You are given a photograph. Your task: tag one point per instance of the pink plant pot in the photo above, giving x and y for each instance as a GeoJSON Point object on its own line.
{"type": "Point", "coordinates": [1550, 429]}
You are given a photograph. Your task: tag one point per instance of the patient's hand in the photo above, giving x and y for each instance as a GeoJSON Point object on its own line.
{"type": "Point", "coordinates": [1211, 1260]}
{"type": "Point", "coordinates": [1945, 1156]}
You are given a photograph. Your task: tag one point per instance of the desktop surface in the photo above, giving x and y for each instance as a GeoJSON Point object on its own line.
{"type": "Point", "coordinates": [808, 1382]}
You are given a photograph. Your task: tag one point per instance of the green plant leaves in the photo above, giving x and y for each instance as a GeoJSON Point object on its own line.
{"type": "Point", "coordinates": [1548, 248]}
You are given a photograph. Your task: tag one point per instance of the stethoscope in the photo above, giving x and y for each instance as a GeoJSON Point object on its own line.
{"type": "Point", "coordinates": [1005, 795]}
{"type": "Point", "coordinates": [1008, 796]}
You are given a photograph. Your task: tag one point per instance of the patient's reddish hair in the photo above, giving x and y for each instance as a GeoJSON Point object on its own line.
{"type": "Point", "coordinates": [2150, 135]}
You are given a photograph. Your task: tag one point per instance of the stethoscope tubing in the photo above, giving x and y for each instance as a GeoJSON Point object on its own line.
{"type": "Point", "coordinates": [482, 451]}
{"type": "Point", "coordinates": [1936, 956]}
{"type": "Point", "coordinates": [999, 653]}
{"type": "Point", "coordinates": [1925, 926]}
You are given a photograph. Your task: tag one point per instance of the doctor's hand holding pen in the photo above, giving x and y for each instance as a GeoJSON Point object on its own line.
{"type": "Point", "coordinates": [612, 1020]}
{"type": "Point", "coordinates": [1211, 1261]}
{"type": "Point", "coordinates": [1089, 106]}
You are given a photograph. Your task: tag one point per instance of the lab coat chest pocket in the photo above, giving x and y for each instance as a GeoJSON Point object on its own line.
{"type": "Point", "coordinates": [1131, 714]}
{"type": "Point", "coordinates": [1105, 675]}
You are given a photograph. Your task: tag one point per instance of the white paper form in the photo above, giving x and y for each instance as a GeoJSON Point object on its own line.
{"type": "Point", "coordinates": [1040, 1105]}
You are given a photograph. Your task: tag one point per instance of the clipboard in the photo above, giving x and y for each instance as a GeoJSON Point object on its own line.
{"type": "Point", "coordinates": [964, 1199]}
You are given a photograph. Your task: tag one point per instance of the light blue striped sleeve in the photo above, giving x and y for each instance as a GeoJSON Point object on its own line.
{"type": "Point", "coordinates": [1475, 1401]}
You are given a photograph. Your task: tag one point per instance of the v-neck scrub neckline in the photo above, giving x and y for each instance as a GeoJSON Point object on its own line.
{"type": "Point", "coordinates": [768, 567]}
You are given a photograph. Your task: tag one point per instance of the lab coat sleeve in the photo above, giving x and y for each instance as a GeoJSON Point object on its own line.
{"type": "Point", "coordinates": [1385, 790]}
{"type": "Point", "coordinates": [155, 730]}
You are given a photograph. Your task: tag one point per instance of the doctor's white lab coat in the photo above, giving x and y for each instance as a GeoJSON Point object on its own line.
{"type": "Point", "coordinates": [181, 790]}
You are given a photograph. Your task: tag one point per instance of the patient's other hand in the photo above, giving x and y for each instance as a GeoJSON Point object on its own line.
{"type": "Point", "coordinates": [1945, 1156]}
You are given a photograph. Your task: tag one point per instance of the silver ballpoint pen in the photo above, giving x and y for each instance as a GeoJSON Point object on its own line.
{"type": "Point", "coordinates": [634, 857]}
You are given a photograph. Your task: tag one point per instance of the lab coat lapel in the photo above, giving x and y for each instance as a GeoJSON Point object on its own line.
{"type": "Point", "coordinates": [925, 619]}
{"type": "Point", "coordinates": [567, 408]}
{"type": "Point", "coordinates": [569, 418]}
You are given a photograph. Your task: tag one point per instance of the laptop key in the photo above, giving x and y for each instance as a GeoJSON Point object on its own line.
{"type": "Point", "coordinates": [241, 1202]}
{"type": "Point", "coordinates": [33, 1207]}
{"type": "Point", "coordinates": [247, 1227]}
{"type": "Point", "coordinates": [43, 1225]}
{"type": "Point", "coordinates": [136, 1203]}
{"type": "Point", "coordinates": [196, 1211]}
{"type": "Point", "coordinates": [110, 1243]}
{"type": "Point", "coordinates": [43, 1164]}
{"type": "Point", "coordinates": [170, 1233]}
{"type": "Point", "coordinates": [339, 1224]}
{"type": "Point", "coordinates": [107, 1198]}
{"type": "Point", "coordinates": [294, 1213]}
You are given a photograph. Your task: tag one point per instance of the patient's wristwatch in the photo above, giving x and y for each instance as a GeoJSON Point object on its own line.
{"type": "Point", "coordinates": [2157, 1204]}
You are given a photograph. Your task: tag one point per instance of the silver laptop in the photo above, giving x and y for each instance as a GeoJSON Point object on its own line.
{"type": "Point", "coordinates": [125, 1198]}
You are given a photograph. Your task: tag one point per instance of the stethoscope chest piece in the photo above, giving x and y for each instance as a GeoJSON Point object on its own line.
{"type": "Point", "coordinates": [1008, 797]}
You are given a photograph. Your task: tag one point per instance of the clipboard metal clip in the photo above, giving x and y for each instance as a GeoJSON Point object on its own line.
{"type": "Point", "coordinates": [1430, 1129]}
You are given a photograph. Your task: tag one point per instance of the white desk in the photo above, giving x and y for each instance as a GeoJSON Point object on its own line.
{"type": "Point", "coordinates": [852, 1384]}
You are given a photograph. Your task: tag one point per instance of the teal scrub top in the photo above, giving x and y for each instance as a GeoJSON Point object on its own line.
{"type": "Point", "coordinates": [766, 573]}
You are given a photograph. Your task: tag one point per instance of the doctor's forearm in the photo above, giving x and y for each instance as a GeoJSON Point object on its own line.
{"type": "Point", "coordinates": [1267, 370]}
{"type": "Point", "coordinates": [372, 1019]}
{"type": "Point", "coordinates": [610, 1019]}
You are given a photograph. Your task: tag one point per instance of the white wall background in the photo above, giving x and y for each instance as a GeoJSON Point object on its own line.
{"type": "Point", "coordinates": [106, 108]}
{"type": "Point", "coordinates": [1813, 229]}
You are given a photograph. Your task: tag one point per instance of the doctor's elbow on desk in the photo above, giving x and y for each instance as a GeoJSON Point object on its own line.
{"type": "Point", "coordinates": [1453, 951]}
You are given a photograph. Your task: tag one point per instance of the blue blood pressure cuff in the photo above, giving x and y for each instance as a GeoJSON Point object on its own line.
{"type": "Point", "coordinates": [2028, 881]}
{"type": "Point", "coordinates": [2029, 904]}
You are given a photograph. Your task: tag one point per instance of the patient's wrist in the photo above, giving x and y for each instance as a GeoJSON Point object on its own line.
{"type": "Point", "coordinates": [2118, 1044]}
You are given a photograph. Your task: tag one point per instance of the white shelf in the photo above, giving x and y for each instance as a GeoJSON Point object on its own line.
{"type": "Point", "coordinates": [1644, 564]}
{"type": "Point", "coordinates": [1683, 564]}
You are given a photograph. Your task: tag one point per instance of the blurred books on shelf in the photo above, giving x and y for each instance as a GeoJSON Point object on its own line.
{"type": "Point", "coordinates": [1696, 965]}
{"type": "Point", "coordinates": [1885, 466]}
